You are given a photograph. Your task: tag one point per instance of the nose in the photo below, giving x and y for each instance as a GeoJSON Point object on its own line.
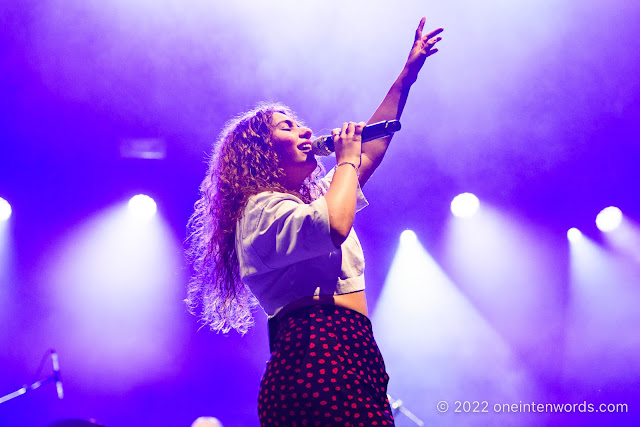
{"type": "Point", "coordinates": [305, 133]}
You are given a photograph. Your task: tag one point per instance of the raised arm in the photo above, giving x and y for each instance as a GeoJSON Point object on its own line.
{"type": "Point", "coordinates": [393, 104]}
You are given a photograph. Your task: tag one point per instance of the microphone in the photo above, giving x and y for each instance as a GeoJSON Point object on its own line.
{"type": "Point", "coordinates": [56, 374]}
{"type": "Point", "coordinates": [323, 145]}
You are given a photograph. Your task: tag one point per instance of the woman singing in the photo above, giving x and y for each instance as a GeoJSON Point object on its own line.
{"type": "Point", "coordinates": [270, 230]}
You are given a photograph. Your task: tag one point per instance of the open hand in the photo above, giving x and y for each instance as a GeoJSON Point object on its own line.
{"type": "Point", "coordinates": [423, 47]}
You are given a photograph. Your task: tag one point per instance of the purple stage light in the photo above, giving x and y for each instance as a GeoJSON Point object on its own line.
{"type": "Point", "coordinates": [465, 205]}
{"type": "Point", "coordinates": [574, 235]}
{"type": "Point", "coordinates": [5, 210]}
{"type": "Point", "coordinates": [114, 289]}
{"type": "Point", "coordinates": [603, 313]}
{"type": "Point", "coordinates": [609, 219]}
{"type": "Point", "coordinates": [408, 238]}
{"type": "Point", "coordinates": [423, 318]}
{"type": "Point", "coordinates": [142, 206]}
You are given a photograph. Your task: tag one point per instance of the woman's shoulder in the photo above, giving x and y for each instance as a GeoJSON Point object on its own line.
{"type": "Point", "coordinates": [270, 202]}
{"type": "Point", "coordinates": [266, 198]}
{"type": "Point", "coordinates": [269, 208]}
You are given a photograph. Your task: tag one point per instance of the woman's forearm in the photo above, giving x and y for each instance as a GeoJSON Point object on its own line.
{"type": "Point", "coordinates": [341, 202]}
{"type": "Point", "coordinates": [395, 100]}
{"type": "Point", "coordinates": [390, 108]}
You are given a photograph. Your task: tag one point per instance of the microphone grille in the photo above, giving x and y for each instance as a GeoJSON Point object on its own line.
{"type": "Point", "coordinates": [320, 148]}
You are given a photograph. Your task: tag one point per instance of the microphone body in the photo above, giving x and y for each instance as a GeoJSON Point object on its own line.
{"type": "Point", "coordinates": [323, 146]}
{"type": "Point", "coordinates": [56, 374]}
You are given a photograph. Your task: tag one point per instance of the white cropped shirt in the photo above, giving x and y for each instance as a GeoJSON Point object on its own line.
{"type": "Point", "coordinates": [285, 251]}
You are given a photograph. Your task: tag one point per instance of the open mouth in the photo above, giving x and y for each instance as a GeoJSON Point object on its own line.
{"type": "Point", "coordinates": [305, 147]}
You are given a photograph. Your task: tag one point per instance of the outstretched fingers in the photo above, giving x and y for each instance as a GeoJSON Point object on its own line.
{"type": "Point", "coordinates": [420, 28]}
{"type": "Point", "coordinates": [425, 43]}
{"type": "Point", "coordinates": [428, 36]}
{"type": "Point", "coordinates": [432, 34]}
{"type": "Point", "coordinates": [430, 43]}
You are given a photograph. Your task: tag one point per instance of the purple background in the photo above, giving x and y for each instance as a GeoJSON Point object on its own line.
{"type": "Point", "coordinates": [532, 105]}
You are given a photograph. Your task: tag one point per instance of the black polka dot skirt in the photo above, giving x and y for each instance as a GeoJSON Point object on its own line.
{"type": "Point", "coordinates": [325, 370]}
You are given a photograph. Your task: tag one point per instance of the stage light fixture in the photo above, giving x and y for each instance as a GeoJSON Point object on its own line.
{"type": "Point", "coordinates": [574, 234]}
{"type": "Point", "coordinates": [609, 219]}
{"type": "Point", "coordinates": [465, 205]}
{"type": "Point", "coordinates": [408, 237]}
{"type": "Point", "coordinates": [5, 210]}
{"type": "Point", "coordinates": [142, 206]}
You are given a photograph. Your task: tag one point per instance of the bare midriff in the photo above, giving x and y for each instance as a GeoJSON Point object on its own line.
{"type": "Point", "coordinates": [353, 301]}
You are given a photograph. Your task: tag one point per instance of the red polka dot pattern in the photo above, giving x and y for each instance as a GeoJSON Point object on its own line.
{"type": "Point", "coordinates": [325, 370]}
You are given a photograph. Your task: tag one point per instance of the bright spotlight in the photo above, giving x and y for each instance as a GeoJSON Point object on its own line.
{"type": "Point", "coordinates": [609, 219]}
{"type": "Point", "coordinates": [574, 234]}
{"type": "Point", "coordinates": [142, 206]}
{"type": "Point", "coordinates": [408, 237]}
{"type": "Point", "coordinates": [465, 205]}
{"type": "Point", "coordinates": [5, 209]}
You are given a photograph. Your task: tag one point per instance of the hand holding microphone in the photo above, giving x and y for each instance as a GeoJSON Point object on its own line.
{"type": "Point", "coordinates": [324, 145]}
{"type": "Point", "coordinates": [348, 143]}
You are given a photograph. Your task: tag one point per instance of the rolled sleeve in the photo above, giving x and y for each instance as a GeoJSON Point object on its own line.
{"type": "Point", "coordinates": [280, 230]}
{"type": "Point", "coordinates": [361, 200]}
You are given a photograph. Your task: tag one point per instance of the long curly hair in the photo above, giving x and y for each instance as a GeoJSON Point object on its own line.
{"type": "Point", "coordinates": [243, 163]}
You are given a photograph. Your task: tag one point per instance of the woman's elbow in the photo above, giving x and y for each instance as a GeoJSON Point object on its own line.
{"type": "Point", "coordinates": [339, 235]}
